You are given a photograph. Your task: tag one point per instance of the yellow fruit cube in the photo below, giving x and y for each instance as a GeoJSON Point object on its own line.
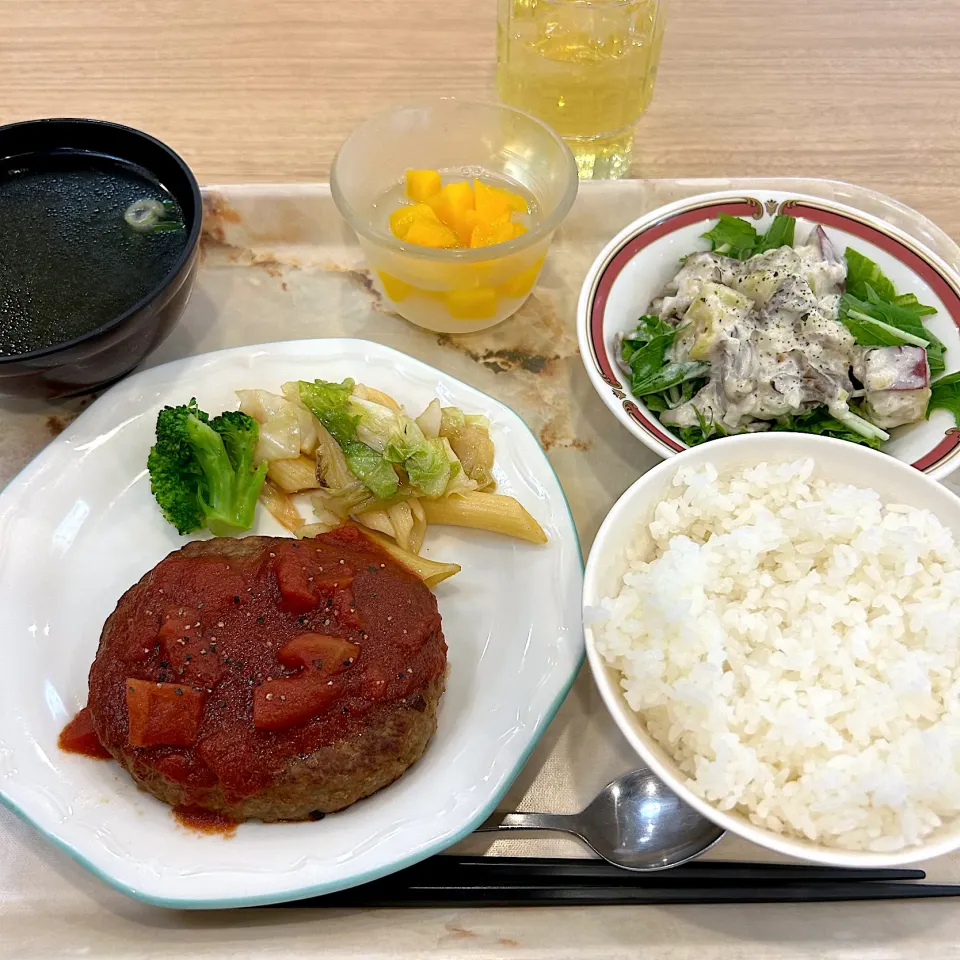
{"type": "Point", "coordinates": [403, 218]}
{"type": "Point", "coordinates": [515, 201]}
{"type": "Point", "coordinates": [431, 233]}
{"type": "Point", "coordinates": [422, 184]}
{"type": "Point", "coordinates": [400, 221]}
{"type": "Point", "coordinates": [462, 225]}
{"type": "Point", "coordinates": [491, 203]}
{"type": "Point", "coordinates": [482, 235]}
{"type": "Point", "coordinates": [395, 288]}
{"type": "Point", "coordinates": [459, 195]}
{"type": "Point", "coordinates": [522, 283]}
{"type": "Point", "coordinates": [486, 235]}
{"type": "Point", "coordinates": [477, 304]}
{"type": "Point", "coordinates": [435, 203]}
{"type": "Point", "coordinates": [454, 207]}
{"type": "Point", "coordinates": [519, 229]}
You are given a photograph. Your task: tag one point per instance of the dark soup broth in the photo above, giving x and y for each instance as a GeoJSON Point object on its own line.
{"type": "Point", "coordinates": [69, 260]}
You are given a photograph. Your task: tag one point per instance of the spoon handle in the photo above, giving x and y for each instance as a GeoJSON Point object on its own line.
{"type": "Point", "coordinates": [530, 821]}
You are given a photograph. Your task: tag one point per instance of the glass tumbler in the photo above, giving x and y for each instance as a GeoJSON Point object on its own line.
{"type": "Point", "coordinates": [585, 67]}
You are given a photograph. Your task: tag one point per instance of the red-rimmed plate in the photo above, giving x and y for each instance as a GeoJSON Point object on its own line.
{"type": "Point", "coordinates": [635, 265]}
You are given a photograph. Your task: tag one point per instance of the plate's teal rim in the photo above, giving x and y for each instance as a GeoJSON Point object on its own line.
{"type": "Point", "coordinates": [303, 893]}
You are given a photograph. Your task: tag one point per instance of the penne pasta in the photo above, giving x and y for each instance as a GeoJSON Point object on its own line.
{"type": "Point", "coordinates": [431, 572]}
{"type": "Point", "coordinates": [485, 511]}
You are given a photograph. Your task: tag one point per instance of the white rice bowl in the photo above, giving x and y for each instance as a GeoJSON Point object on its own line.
{"type": "Point", "coordinates": [783, 645]}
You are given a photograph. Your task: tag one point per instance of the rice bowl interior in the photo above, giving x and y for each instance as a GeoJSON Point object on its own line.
{"type": "Point", "coordinates": [798, 681]}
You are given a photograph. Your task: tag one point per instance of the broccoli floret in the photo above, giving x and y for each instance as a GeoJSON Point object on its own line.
{"type": "Point", "coordinates": [240, 434]}
{"type": "Point", "coordinates": [202, 472]}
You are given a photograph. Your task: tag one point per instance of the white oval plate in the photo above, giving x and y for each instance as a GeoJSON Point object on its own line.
{"type": "Point", "coordinates": [79, 525]}
{"type": "Point", "coordinates": [635, 265]}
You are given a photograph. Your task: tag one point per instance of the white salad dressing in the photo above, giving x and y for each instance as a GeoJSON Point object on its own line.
{"type": "Point", "coordinates": [769, 328]}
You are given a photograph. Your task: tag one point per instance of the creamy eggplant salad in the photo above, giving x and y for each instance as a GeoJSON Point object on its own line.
{"type": "Point", "coordinates": [765, 333]}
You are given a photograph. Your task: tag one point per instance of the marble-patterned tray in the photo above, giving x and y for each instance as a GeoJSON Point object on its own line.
{"type": "Point", "coordinates": [279, 263]}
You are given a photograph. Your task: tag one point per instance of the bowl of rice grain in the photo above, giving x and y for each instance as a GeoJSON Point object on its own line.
{"type": "Point", "coordinates": [774, 624]}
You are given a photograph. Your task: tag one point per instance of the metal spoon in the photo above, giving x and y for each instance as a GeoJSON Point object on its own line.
{"type": "Point", "coordinates": [634, 822]}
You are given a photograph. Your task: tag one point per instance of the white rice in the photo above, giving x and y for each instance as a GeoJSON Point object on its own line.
{"type": "Point", "coordinates": [793, 645]}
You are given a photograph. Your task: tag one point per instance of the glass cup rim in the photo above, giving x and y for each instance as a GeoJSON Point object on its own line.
{"type": "Point", "coordinates": [544, 228]}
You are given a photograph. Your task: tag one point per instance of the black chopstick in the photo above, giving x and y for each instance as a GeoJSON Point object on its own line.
{"type": "Point", "coordinates": [546, 896]}
{"type": "Point", "coordinates": [520, 870]}
{"type": "Point", "coordinates": [451, 880]}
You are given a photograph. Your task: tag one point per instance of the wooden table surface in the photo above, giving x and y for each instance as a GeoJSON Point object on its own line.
{"type": "Point", "coordinates": [859, 90]}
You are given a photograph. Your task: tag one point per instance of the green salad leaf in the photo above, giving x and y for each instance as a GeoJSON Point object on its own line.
{"type": "Point", "coordinates": [691, 436]}
{"type": "Point", "coordinates": [820, 421]}
{"type": "Point", "coordinates": [669, 375]}
{"type": "Point", "coordinates": [645, 350]}
{"type": "Point", "coordinates": [862, 272]}
{"type": "Point", "coordinates": [945, 395]}
{"type": "Point", "coordinates": [732, 237]}
{"type": "Point", "coordinates": [738, 238]}
{"type": "Point", "coordinates": [648, 359]}
{"type": "Point", "coordinates": [674, 396]}
{"type": "Point", "coordinates": [649, 326]}
{"type": "Point", "coordinates": [706, 429]}
{"type": "Point", "coordinates": [779, 234]}
{"type": "Point", "coordinates": [877, 317]}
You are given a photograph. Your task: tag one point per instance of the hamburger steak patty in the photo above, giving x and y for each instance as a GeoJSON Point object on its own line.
{"type": "Point", "coordinates": [270, 678]}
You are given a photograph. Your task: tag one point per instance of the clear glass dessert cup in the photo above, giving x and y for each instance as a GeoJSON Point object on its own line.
{"type": "Point", "coordinates": [453, 290]}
